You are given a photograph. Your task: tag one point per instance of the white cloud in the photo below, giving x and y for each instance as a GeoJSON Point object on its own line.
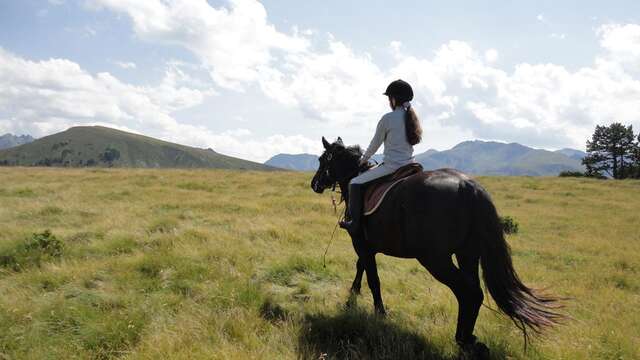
{"type": "Point", "coordinates": [337, 86]}
{"type": "Point", "coordinates": [56, 2]}
{"type": "Point", "coordinates": [44, 97]}
{"type": "Point", "coordinates": [236, 43]}
{"type": "Point", "coordinates": [541, 18]}
{"type": "Point", "coordinates": [491, 55]}
{"type": "Point", "coordinates": [622, 43]}
{"type": "Point", "coordinates": [239, 143]}
{"type": "Point", "coordinates": [458, 87]}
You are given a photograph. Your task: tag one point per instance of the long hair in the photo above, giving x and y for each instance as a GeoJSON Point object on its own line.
{"type": "Point", "coordinates": [412, 127]}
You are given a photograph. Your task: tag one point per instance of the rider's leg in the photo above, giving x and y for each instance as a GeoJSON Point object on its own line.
{"type": "Point", "coordinates": [354, 208]}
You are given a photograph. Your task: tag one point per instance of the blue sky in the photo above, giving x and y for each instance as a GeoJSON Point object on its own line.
{"type": "Point", "coordinates": [253, 79]}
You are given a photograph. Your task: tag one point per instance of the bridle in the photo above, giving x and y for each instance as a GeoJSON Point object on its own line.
{"type": "Point", "coordinates": [335, 181]}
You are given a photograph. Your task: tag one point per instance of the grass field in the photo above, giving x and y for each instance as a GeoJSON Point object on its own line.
{"type": "Point", "coordinates": [150, 264]}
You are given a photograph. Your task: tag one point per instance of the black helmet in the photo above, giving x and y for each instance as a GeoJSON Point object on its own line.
{"type": "Point", "coordinates": [400, 89]}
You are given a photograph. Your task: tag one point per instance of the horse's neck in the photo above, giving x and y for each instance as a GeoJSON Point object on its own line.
{"type": "Point", "coordinates": [344, 185]}
{"type": "Point", "coordinates": [344, 190]}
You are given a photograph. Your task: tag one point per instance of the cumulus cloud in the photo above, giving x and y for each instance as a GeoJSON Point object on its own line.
{"type": "Point", "coordinates": [457, 87]}
{"type": "Point", "coordinates": [48, 96]}
{"type": "Point", "coordinates": [622, 43]}
{"type": "Point", "coordinates": [491, 55]}
{"type": "Point", "coordinates": [538, 104]}
{"type": "Point", "coordinates": [337, 85]}
{"type": "Point", "coordinates": [236, 43]}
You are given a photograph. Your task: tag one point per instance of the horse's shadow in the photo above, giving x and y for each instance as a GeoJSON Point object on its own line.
{"type": "Point", "coordinates": [354, 333]}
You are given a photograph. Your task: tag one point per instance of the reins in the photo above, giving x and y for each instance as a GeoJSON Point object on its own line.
{"type": "Point", "coordinates": [335, 209]}
{"type": "Point", "coordinates": [333, 233]}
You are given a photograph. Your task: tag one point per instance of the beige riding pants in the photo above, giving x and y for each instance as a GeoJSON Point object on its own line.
{"type": "Point", "coordinates": [374, 173]}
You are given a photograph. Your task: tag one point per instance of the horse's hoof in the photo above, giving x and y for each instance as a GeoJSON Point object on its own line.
{"type": "Point", "coordinates": [380, 311]}
{"type": "Point", "coordinates": [351, 302]}
{"type": "Point", "coordinates": [475, 351]}
{"type": "Point", "coordinates": [355, 291]}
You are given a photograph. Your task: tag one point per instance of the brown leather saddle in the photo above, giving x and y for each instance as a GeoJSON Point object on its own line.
{"type": "Point", "coordinates": [377, 190]}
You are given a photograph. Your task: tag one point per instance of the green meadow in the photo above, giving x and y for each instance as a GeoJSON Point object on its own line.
{"type": "Point", "coordinates": [212, 264]}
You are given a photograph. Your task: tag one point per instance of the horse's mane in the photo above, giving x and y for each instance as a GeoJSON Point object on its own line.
{"type": "Point", "coordinates": [354, 151]}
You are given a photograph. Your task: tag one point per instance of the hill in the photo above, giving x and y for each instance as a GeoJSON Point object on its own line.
{"type": "Point", "coordinates": [572, 153]}
{"type": "Point", "coordinates": [300, 162]}
{"type": "Point", "coordinates": [10, 140]}
{"type": "Point", "coordinates": [159, 264]}
{"type": "Point", "coordinates": [102, 146]}
{"type": "Point", "coordinates": [491, 158]}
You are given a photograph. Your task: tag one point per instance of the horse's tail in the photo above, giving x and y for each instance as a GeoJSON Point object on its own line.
{"type": "Point", "coordinates": [525, 306]}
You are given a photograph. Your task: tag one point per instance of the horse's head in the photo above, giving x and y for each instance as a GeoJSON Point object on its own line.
{"type": "Point", "coordinates": [337, 164]}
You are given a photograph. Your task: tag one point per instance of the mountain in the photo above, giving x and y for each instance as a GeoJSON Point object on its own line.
{"type": "Point", "coordinates": [10, 140]}
{"type": "Point", "coordinates": [494, 158]}
{"type": "Point", "coordinates": [572, 153]}
{"type": "Point", "coordinates": [300, 162]}
{"type": "Point", "coordinates": [102, 146]}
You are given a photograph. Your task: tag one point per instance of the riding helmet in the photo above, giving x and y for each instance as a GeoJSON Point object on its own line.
{"type": "Point", "coordinates": [400, 89]}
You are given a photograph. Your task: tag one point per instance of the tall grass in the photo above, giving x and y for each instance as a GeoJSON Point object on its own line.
{"type": "Point", "coordinates": [228, 265]}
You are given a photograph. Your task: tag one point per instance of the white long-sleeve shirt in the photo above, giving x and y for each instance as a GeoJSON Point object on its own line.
{"type": "Point", "coordinates": [391, 131]}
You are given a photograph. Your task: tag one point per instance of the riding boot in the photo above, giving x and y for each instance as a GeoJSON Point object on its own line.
{"type": "Point", "coordinates": [352, 223]}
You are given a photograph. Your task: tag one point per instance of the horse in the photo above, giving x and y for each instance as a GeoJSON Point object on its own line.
{"type": "Point", "coordinates": [431, 216]}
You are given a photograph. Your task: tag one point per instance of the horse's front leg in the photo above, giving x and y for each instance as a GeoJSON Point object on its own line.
{"type": "Point", "coordinates": [369, 262]}
{"type": "Point", "coordinates": [357, 282]}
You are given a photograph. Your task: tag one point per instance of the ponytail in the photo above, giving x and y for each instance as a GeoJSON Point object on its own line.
{"type": "Point", "coordinates": [412, 127]}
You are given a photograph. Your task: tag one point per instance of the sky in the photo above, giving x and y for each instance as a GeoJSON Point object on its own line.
{"type": "Point", "coordinates": [253, 79]}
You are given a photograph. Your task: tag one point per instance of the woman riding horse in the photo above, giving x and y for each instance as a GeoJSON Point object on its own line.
{"type": "Point", "coordinates": [431, 216]}
{"type": "Point", "coordinates": [399, 130]}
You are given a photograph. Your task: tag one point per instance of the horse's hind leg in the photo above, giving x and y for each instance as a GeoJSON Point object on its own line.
{"type": "Point", "coordinates": [469, 265]}
{"type": "Point", "coordinates": [370, 266]}
{"type": "Point", "coordinates": [468, 295]}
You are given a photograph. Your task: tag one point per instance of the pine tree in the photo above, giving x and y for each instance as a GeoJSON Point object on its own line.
{"type": "Point", "coordinates": [636, 159]}
{"type": "Point", "coordinates": [611, 151]}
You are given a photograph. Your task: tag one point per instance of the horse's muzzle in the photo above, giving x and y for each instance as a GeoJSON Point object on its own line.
{"type": "Point", "coordinates": [315, 185]}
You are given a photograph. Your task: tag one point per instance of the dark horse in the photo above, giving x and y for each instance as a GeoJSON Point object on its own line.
{"type": "Point", "coordinates": [431, 216]}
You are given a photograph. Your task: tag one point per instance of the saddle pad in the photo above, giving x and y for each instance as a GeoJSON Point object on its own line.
{"type": "Point", "coordinates": [376, 192]}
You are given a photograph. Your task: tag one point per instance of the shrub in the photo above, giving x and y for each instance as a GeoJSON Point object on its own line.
{"type": "Point", "coordinates": [33, 251]}
{"type": "Point", "coordinates": [110, 155]}
{"type": "Point", "coordinates": [569, 173]}
{"type": "Point", "coordinates": [509, 225]}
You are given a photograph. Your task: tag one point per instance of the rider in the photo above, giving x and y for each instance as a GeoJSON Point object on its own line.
{"type": "Point", "coordinates": [399, 130]}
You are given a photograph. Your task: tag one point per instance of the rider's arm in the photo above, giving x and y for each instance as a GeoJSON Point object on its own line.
{"type": "Point", "coordinates": [378, 139]}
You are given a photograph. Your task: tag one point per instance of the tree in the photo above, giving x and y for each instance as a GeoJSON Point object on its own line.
{"type": "Point", "coordinates": [635, 173]}
{"type": "Point", "coordinates": [110, 155]}
{"type": "Point", "coordinates": [611, 150]}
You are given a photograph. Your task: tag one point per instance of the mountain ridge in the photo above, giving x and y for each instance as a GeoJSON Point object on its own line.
{"type": "Point", "coordinates": [82, 146]}
{"type": "Point", "coordinates": [479, 157]}
{"type": "Point", "coordinates": [10, 140]}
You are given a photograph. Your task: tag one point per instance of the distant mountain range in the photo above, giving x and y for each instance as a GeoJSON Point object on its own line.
{"type": "Point", "coordinates": [474, 157]}
{"type": "Point", "coordinates": [299, 162]}
{"type": "Point", "coordinates": [102, 146]}
{"type": "Point", "coordinates": [10, 140]}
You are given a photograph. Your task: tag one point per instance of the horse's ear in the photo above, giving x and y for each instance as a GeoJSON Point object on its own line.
{"type": "Point", "coordinates": [325, 143]}
{"type": "Point", "coordinates": [339, 141]}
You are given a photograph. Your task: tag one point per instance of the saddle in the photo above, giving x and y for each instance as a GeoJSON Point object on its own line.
{"type": "Point", "coordinates": [377, 190]}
